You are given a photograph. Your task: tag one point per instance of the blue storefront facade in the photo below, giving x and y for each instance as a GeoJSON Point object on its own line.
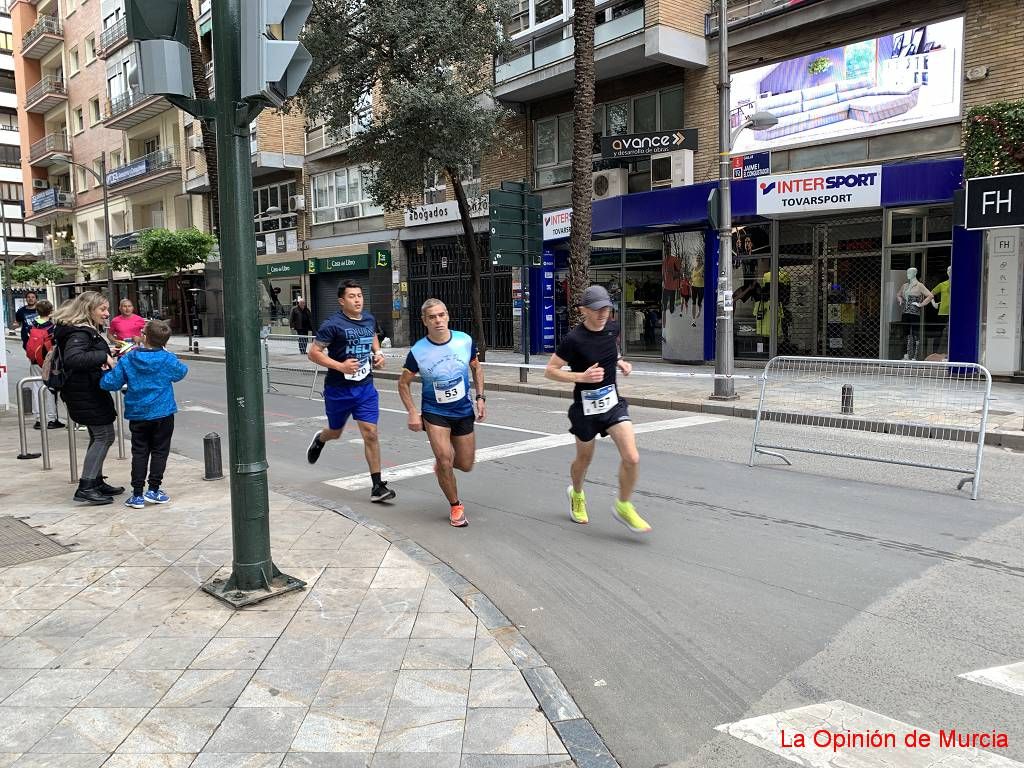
{"type": "Point", "coordinates": [828, 277]}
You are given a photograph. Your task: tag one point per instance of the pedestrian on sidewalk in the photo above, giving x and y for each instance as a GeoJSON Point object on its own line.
{"type": "Point", "coordinates": [301, 321]}
{"type": "Point", "coordinates": [443, 359]}
{"type": "Point", "coordinates": [40, 342]}
{"type": "Point", "coordinates": [347, 346]}
{"type": "Point", "coordinates": [149, 373]}
{"type": "Point", "coordinates": [86, 356]}
{"type": "Point", "coordinates": [591, 350]}
{"type": "Point", "coordinates": [126, 328]}
{"type": "Point", "coordinates": [25, 315]}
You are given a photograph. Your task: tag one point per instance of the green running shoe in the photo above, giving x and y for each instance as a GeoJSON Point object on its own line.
{"type": "Point", "coordinates": [578, 506]}
{"type": "Point", "coordinates": [625, 513]}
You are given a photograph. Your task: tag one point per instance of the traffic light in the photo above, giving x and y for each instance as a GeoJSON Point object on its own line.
{"type": "Point", "coordinates": [163, 64]}
{"type": "Point", "coordinates": [274, 62]}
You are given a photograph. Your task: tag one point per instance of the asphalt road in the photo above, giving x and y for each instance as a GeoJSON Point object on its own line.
{"type": "Point", "coordinates": [758, 590]}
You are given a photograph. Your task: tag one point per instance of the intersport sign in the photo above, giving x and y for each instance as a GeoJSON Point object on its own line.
{"type": "Point", "coordinates": [834, 189]}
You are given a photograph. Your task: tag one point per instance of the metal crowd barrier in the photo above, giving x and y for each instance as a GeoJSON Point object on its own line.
{"type": "Point", "coordinates": [285, 366]}
{"type": "Point", "coordinates": [907, 413]}
{"type": "Point", "coordinates": [44, 435]}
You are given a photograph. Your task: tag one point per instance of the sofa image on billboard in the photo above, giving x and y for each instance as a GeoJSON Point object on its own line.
{"type": "Point", "coordinates": [857, 99]}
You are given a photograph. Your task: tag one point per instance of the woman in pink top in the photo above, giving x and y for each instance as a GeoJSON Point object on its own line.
{"type": "Point", "coordinates": [127, 326]}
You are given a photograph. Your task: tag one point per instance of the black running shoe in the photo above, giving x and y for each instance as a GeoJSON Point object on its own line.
{"type": "Point", "coordinates": [381, 492]}
{"type": "Point", "coordinates": [315, 446]}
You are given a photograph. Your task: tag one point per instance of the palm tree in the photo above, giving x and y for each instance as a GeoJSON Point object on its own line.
{"type": "Point", "coordinates": [202, 90]}
{"type": "Point", "coordinates": [582, 151]}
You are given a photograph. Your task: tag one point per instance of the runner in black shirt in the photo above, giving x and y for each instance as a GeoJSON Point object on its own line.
{"type": "Point", "coordinates": [591, 351]}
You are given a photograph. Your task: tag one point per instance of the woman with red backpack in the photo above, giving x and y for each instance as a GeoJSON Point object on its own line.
{"type": "Point", "coordinates": [85, 356]}
{"type": "Point", "coordinates": [38, 343]}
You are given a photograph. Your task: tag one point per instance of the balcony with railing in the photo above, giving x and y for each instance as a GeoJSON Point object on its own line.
{"type": "Point", "coordinates": [112, 38]}
{"type": "Point", "coordinates": [127, 241]}
{"type": "Point", "coordinates": [48, 205]}
{"type": "Point", "coordinates": [62, 255]}
{"type": "Point", "coordinates": [542, 63]}
{"type": "Point", "coordinates": [128, 109]}
{"type": "Point", "coordinates": [743, 13]}
{"type": "Point", "coordinates": [91, 252]}
{"type": "Point", "coordinates": [152, 170]}
{"type": "Point", "coordinates": [50, 150]}
{"type": "Point", "coordinates": [46, 35]}
{"type": "Point", "coordinates": [49, 92]}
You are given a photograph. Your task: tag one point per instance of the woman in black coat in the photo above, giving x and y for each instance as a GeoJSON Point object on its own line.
{"type": "Point", "coordinates": [86, 355]}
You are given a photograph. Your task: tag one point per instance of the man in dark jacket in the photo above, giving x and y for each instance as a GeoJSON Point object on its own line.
{"type": "Point", "coordinates": [301, 321]}
{"type": "Point", "coordinates": [85, 355]}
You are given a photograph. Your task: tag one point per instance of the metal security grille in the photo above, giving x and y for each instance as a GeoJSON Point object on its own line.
{"type": "Point", "coordinates": [830, 283]}
{"type": "Point", "coordinates": [21, 543]}
{"type": "Point", "coordinates": [917, 414]}
{"type": "Point", "coordinates": [442, 272]}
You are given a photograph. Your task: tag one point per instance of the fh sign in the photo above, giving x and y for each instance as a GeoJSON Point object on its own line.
{"type": "Point", "coordinates": [995, 201]}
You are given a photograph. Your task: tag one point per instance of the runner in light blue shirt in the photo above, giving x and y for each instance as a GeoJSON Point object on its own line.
{"type": "Point", "coordinates": [446, 361]}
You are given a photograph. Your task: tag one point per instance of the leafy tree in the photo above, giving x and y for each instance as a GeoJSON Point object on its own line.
{"type": "Point", "coordinates": [582, 155]}
{"type": "Point", "coordinates": [36, 273]}
{"type": "Point", "coordinates": [169, 252]}
{"type": "Point", "coordinates": [428, 64]}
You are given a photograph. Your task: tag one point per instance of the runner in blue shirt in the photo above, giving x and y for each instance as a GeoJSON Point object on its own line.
{"type": "Point", "coordinates": [444, 360]}
{"type": "Point", "coordinates": [347, 346]}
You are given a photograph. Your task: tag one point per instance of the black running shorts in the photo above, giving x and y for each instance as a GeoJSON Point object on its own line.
{"type": "Point", "coordinates": [459, 427]}
{"type": "Point", "coordinates": [586, 428]}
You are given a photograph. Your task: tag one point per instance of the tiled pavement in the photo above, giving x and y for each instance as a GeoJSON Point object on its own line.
{"type": "Point", "coordinates": [111, 655]}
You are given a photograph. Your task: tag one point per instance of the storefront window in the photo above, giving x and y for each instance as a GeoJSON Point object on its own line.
{"type": "Point", "coordinates": [752, 284]}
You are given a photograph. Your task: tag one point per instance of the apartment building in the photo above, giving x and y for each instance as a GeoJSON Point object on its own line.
{"type": "Point", "coordinates": [21, 245]}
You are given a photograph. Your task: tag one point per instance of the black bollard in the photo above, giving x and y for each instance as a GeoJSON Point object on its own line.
{"type": "Point", "coordinates": [211, 455]}
{"type": "Point", "coordinates": [846, 406]}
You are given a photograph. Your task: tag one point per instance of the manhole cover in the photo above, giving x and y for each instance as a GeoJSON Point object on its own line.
{"type": "Point", "coordinates": [20, 543]}
{"type": "Point", "coordinates": [994, 412]}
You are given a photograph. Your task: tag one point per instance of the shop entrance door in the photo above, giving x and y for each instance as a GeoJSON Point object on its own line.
{"type": "Point", "coordinates": [828, 287]}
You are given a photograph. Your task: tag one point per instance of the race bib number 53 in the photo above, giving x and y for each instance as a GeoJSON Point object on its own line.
{"type": "Point", "coordinates": [449, 391]}
{"type": "Point", "coordinates": [601, 400]}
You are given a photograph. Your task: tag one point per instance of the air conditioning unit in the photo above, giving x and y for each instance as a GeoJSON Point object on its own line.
{"type": "Point", "coordinates": [672, 169]}
{"type": "Point", "coordinates": [65, 198]}
{"type": "Point", "coordinates": [610, 183]}
{"type": "Point", "coordinates": [297, 203]}
{"type": "Point", "coordinates": [40, 184]}
{"type": "Point", "coordinates": [195, 143]}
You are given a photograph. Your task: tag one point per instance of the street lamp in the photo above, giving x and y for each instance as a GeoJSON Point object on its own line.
{"type": "Point", "coordinates": [101, 177]}
{"type": "Point", "coordinates": [725, 388]}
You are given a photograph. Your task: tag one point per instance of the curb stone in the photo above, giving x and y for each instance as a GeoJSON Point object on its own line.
{"type": "Point", "coordinates": [585, 746]}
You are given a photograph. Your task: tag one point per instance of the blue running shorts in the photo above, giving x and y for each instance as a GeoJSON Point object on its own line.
{"type": "Point", "coordinates": [361, 402]}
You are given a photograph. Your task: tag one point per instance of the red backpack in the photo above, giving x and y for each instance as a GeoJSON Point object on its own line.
{"type": "Point", "coordinates": [40, 341]}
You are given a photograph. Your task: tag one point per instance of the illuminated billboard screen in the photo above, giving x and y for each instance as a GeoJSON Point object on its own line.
{"type": "Point", "coordinates": [890, 82]}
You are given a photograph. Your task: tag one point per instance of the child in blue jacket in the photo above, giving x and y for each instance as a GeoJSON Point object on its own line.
{"type": "Point", "coordinates": [149, 406]}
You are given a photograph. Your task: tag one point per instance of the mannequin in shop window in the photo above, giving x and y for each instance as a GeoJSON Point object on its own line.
{"type": "Point", "coordinates": [912, 296]}
{"type": "Point", "coordinates": [761, 293]}
{"type": "Point", "coordinates": [941, 301]}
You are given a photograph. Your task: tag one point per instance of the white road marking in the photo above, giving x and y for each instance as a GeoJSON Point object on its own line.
{"type": "Point", "coordinates": [281, 424]}
{"type": "Point", "coordinates": [778, 733]}
{"type": "Point", "coordinates": [200, 409]}
{"type": "Point", "coordinates": [482, 424]}
{"type": "Point", "coordinates": [1009, 678]}
{"type": "Point", "coordinates": [507, 450]}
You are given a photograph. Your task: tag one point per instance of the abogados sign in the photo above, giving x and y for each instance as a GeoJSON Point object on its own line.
{"type": "Point", "coordinates": [644, 144]}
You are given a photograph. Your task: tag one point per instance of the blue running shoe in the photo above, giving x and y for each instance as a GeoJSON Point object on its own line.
{"type": "Point", "coordinates": [135, 502]}
{"type": "Point", "coordinates": [157, 497]}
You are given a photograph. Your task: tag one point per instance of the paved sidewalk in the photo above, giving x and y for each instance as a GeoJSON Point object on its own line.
{"type": "Point", "coordinates": [686, 390]}
{"type": "Point", "coordinates": [110, 655]}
